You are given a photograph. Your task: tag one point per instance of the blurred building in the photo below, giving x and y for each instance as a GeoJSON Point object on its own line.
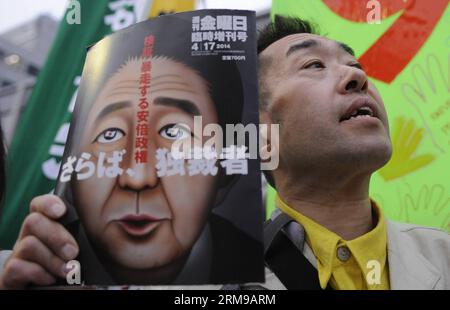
{"type": "Point", "coordinates": [23, 51]}
{"type": "Point", "coordinates": [262, 18]}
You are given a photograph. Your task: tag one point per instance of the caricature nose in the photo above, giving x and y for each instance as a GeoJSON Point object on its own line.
{"type": "Point", "coordinates": [141, 175]}
{"type": "Point", "coordinates": [354, 80]}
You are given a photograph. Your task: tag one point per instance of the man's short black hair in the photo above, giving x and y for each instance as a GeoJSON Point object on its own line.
{"type": "Point", "coordinates": [282, 26]}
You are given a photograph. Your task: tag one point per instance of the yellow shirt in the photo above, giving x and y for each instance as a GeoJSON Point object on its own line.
{"type": "Point", "coordinates": [359, 264]}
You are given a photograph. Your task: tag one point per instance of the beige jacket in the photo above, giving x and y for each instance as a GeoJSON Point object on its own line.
{"type": "Point", "coordinates": [418, 258]}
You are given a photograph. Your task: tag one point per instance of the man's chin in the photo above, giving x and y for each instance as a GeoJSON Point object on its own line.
{"type": "Point", "coordinates": [383, 159]}
{"type": "Point", "coordinates": [374, 155]}
{"type": "Point", "coordinates": [364, 155]}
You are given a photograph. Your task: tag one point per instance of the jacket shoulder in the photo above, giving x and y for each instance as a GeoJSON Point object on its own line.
{"type": "Point", "coordinates": [431, 243]}
{"type": "Point", "coordinates": [420, 234]}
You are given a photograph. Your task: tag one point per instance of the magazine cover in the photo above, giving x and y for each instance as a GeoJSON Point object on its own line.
{"type": "Point", "coordinates": [159, 172]}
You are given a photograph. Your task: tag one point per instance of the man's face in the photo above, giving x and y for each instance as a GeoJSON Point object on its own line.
{"type": "Point", "coordinates": [144, 221]}
{"type": "Point", "coordinates": [330, 115]}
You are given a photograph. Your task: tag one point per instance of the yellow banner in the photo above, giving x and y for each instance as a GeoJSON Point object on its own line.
{"type": "Point", "coordinates": [161, 7]}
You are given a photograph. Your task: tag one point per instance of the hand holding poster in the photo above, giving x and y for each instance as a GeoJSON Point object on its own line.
{"type": "Point", "coordinates": [140, 214]}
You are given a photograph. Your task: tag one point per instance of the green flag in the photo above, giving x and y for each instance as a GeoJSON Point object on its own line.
{"type": "Point", "coordinates": [38, 145]}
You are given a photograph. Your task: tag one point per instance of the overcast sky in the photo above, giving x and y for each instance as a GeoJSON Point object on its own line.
{"type": "Point", "coordinates": [15, 12]}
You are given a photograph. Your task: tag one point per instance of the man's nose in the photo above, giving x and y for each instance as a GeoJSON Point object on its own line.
{"type": "Point", "coordinates": [353, 80]}
{"type": "Point", "coordinates": [139, 169]}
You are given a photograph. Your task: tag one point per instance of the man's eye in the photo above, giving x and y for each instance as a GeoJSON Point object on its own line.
{"type": "Point", "coordinates": [357, 65]}
{"type": "Point", "coordinates": [314, 65]}
{"type": "Point", "coordinates": [110, 135]}
{"type": "Point", "coordinates": [175, 132]}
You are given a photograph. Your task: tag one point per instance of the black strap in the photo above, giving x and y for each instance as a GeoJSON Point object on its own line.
{"type": "Point", "coordinates": [285, 259]}
{"type": "Point", "coordinates": [273, 227]}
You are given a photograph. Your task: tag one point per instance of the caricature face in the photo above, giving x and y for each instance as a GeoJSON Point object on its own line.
{"type": "Point", "coordinates": [145, 221]}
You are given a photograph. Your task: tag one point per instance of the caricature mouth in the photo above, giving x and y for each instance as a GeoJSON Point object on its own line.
{"type": "Point", "coordinates": [360, 109]}
{"type": "Point", "coordinates": [139, 224]}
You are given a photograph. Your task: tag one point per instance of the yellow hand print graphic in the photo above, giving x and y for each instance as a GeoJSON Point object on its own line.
{"type": "Point", "coordinates": [428, 92]}
{"type": "Point", "coordinates": [405, 141]}
{"type": "Point", "coordinates": [425, 205]}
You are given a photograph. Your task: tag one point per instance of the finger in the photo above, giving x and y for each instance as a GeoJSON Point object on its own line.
{"type": "Point", "coordinates": [405, 134]}
{"type": "Point", "coordinates": [19, 273]}
{"type": "Point", "coordinates": [442, 82]}
{"type": "Point", "coordinates": [414, 141]}
{"type": "Point", "coordinates": [31, 249]}
{"type": "Point", "coordinates": [412, 95]}
{"type": "Point", "coordinates": [420, 161]}
{"type": "Point", "coordinates": [52, 234]}
{"type": "Point", "coordinates": [397, 130]}
{"type": "Point", "coordinates": [50, 205]}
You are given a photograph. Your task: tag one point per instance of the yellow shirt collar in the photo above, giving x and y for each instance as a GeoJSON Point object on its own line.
{"type": "Point", "coordinates": [324, 244]}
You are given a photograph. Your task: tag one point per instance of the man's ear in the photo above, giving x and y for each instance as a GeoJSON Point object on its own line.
{"type": "Point", "coordinates": [268, 138]}
{"type": "Point", "coordinates": [268, 145]}
{"type": "Point", "coordinates": [264, 135]}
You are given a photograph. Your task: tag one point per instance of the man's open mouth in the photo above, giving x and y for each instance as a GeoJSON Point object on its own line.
{"type": "Point", "coordinates": [361, 112]}
{"type": "Point", "coordinates": [138, 224]}
{"type": "Point", "coordinates": [359, 109]}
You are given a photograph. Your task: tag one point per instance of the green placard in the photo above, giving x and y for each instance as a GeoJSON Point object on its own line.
{"type": "Point", "coordinates": [408, 62]}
